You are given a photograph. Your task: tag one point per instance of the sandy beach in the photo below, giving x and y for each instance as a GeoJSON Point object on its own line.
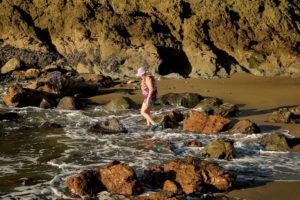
{"type": "Point", "coordinates": [257, 97]}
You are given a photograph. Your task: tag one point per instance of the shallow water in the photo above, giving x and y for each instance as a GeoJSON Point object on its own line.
{"type": "Point", "coordinates": [35, 161]}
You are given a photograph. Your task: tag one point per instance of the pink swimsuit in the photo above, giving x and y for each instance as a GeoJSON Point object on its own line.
{"type": "Point", "coordinates": [146, 90]}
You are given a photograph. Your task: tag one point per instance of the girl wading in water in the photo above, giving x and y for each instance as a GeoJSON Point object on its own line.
{"type": "Point", "coordinates": [149, 90]}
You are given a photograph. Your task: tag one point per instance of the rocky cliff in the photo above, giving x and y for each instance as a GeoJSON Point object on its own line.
{"type": "Point", "coordinates": [189, 37]}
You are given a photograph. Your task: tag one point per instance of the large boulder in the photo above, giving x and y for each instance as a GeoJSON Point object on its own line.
{"type": "Point", "coordinates": [121, 103]}
{"type": "Point", "coordinates": [86, 183]}
{"type": "Point", "coordinates": [185, 172]}
{"type": "Point", "coordinates": [110, 126]}
{"type": "Point", "coordinates": [120, 178]}
{"type": "Point", "coordinates": [275, 142]}
{"type": "Point", "coordinates": [245, 127]}
{"type": "Point", "coordinates": [172, 119]}
{"type": "Point", "coordinates": [198, 122]}
{"type": "Point", "coordinates": [188, 100]}
{"type": "Point", "coordinates": [10, 66]}
{"type": "Point", "coordinates": [220, 149]}
{"type": "Point", "coordinates": [216, 176]}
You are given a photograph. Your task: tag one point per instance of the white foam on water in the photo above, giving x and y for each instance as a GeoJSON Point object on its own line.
{"type": "Point", "coordinates": [140, 149]}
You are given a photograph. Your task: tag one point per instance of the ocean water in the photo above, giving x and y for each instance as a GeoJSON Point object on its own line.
{"type": "Point", "coordinates": [36, 161]}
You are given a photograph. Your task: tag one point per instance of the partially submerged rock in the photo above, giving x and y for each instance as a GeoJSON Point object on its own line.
{"type": "Point", "coordinates": [215, 176]}
{"type": "Point", "coordinates": [245, 127]}
{"type": "Point", "coordinates": [220, 149]}
{"type": "Point", "coordinates": [275, 142]}
{"type": "Point", "coordinates": [120, 178]}
{"type": "Point", "coordinates": [198, 122]}
{"type": "Point", "coordinates": [86, 183]}
{"type": "Point", "coordinates": [67, 103]}
{"type": "Point", "coordinates": [122, 103]}
{"type": "Point", "coordinates": [185, 172]}
{"type": "Point", "coordinates": [110, 126]}
{"type": "Point", "coordinates": [172, 119]}
{"type": "Point", "coordinates": [193, 143]}
{"type": "Point", "coordinates": [188, 100]}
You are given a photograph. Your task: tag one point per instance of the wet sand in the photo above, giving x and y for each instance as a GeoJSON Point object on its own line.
{"type": "Point", "coordinates": [257, 98]}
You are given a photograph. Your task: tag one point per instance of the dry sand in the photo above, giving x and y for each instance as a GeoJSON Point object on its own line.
{"type": "Point", "coordinates": [257, 98]}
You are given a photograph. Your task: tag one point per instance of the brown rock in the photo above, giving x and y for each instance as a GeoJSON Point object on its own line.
{"type": "Point", "coordinates": [67, 103]}
{"type": "Point", "coordinates": [172, 119]}
{"type": "Point", "coordinates": [220, 149]}
{"type": "Point", "coordinates": [275, 142]}
{"type": "Point", "coordinates": [160, 196]}
{"type": "Point", "coordinates": [193, 143]}
{"type": "Point", "coordinates": [45, 104]}
{"type": "Point", "coordinates": [10, 66]}
{"type": "Point", "coordinates": [186, 174]}
{"type": "Point", "coordinates": [214, 175]}
{"type": "Point", "coordinates": [120, 178]}
{"type": "Point", "coordinates": [19, 97]}
{"type": "Point", "coordinates": [171, 186]}
{"type": "Point", "coordinates": [245, 127]}
{"type": "Point", "coordinates": [20, 75]}
{"type": "Point", "coordinates": [199, 122]}
{"type": "Point", "coordinates": [32, 73]}
{"type": "Point", "coordinates": [110, 126]}
{"type": "Point", "coordinates": [86, 183]}
{"type": "Point", "coordinates": [154, 176]}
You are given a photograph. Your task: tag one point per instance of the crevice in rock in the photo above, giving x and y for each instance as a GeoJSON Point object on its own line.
{"type": "Point", "coordinates": [234, 17]}
{"type": "Point", "coordinates": [295, 19]}
{"type": "Point", "coordinates": [173, 61]}
{"type": "Point", "coordinates": [122, 31]}
{"type": "Point", "coordinates": [261, 8]}
{"type": "Point", "coordinates": [139, 14]}
{"type": "Point", "coordinates": [42, 34]}
{"type": "Point", "coordinates": [186, 11]}
{"type": "Point", "coordinates": [224, 60]}
{"type": "Point", "coordinates": [160, 28]}
{"type": "Point", "coordinates": [276, 2]}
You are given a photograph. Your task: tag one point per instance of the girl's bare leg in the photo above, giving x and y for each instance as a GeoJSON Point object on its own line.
{"type": "Point", "coordinates": [145, 111]}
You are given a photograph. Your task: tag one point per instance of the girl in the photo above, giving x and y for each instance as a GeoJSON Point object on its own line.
{"type": "Point", "coordinates": [149, 90]}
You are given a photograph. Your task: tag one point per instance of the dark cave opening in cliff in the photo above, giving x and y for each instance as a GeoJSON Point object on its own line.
{"type": "Point", "coordinates": [173, 61]}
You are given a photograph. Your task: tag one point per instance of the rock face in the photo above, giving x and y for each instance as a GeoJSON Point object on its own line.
{"type": "Point", "coordinates": [199, 122]}
{"type": "Point", "coordinates": [220, 149]}
{"type": "Point", "coordinates": [275, 142]}
{"type": "Point", "coordinates": [191, 38]}
{"type": "Point", "coordinates": [120, 178]}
